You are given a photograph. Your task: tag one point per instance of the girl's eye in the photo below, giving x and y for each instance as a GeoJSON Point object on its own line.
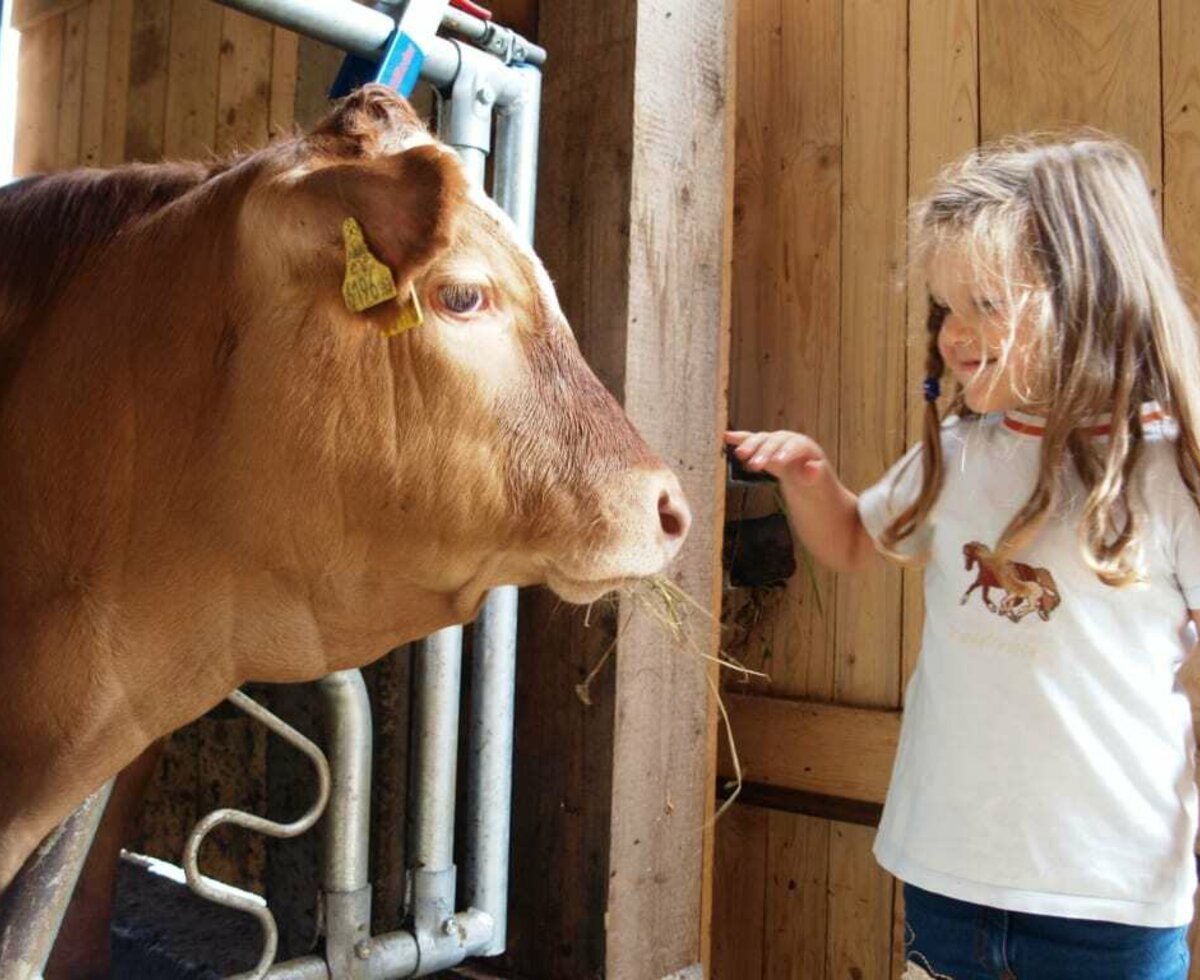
{"type": "Point", "coordinates": [986, 305]}
{"type": "Point", "coordinates": [461, 298]}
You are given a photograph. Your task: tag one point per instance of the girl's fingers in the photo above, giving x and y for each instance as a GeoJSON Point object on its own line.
{"type": "Point", "coordinates": [750, 445]}
{"type": "Point", "coordinates": [766, 450]}
{"type": "Point", "coordinates": [735, 437]}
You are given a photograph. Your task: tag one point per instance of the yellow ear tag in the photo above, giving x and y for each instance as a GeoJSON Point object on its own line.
{"type": "Point", "coordinates": [410, 315]}
{"type": "Point", "coordinates": [368, 281]}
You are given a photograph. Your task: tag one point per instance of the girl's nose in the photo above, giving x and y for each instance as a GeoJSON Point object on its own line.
{"type": "Point", "coordinates": [953, 331]}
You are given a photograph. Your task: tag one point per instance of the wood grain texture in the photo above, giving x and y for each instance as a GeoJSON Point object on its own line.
{"type": "Point", "coordinates": [1067, 63]}
{"type": "Point", "coordinates": [813, 747]}
{"type": "Point", "coordinates": [97, 45]}
{"type": "Point", "coordinates": [146, 103]}
{"type": "Point", "coordinates": [244, 89]}
{"type": "Point", "coordinates": [70, 99]}
{"type": "Point", "coordinates": [739, 942]}
{"type": "Point", "coordinates": [674, 392]}
{"type": "Point", "coordinates": [192, 79]}
{"type": "Point", "coordinates": [943, 124]}
{"type": "Point", "coordinates": [39, 71]}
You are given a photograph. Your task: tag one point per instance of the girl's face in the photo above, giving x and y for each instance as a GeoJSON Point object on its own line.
{"type": "Point", "coordinates": [990, 348]}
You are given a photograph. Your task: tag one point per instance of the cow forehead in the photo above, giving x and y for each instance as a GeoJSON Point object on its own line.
{"type": "Point", "coordinates": [500, 232]}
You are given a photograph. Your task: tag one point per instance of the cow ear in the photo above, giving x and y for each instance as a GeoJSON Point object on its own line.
{"type": "Point", "coordinates": [407, 204]}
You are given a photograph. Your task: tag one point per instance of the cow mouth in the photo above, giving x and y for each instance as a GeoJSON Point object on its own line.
{"type": "Point", "coordinates": [580, 592]}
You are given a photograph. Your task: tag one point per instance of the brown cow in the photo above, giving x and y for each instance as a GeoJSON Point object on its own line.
{"type": "Point", "coordinates": [213, 471]}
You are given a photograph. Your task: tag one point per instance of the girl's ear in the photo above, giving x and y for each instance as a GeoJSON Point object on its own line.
{"type": "Point", "coordinates": [407, 204]}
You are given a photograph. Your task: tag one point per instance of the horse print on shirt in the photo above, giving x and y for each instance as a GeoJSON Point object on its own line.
{"type": "Point", "coordinates": [1027, 589]}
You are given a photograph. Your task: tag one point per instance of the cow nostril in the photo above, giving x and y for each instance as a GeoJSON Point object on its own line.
{"type": "Point", "coordinates": [672, 519]}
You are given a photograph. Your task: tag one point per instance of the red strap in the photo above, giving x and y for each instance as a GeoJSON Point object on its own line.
{"type": "Point", "coordinates": [467, 7]}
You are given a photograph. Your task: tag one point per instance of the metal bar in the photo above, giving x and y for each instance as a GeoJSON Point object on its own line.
{"type": "Point", "coordinates": [37, 899]}
{"type": "Point", "coordinates": [341, 23]}
{"type": "Point", "coordinates": [517, 128]}
{"type": "Point", "coordinates": [438, 669]}
{"type": "Point", "coordinates": [493, 687]}
{"type": "Point", "coordinates": [347, 886]}
{"type": "Point", "coordinates": [235, 898]}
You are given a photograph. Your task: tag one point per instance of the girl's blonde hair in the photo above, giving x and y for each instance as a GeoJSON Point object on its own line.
{"type": "Point", "coordinates": [1068, 231]}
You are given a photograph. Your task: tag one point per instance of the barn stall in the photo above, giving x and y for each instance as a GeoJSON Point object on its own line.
{"type": "Point", "coordinates": [843, 111]}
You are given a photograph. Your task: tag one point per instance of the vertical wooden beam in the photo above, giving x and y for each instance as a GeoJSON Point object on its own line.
{"type": "Point", "coordinates": [676, 373]}
{"type": "Point", "coordinates": [631, 224]}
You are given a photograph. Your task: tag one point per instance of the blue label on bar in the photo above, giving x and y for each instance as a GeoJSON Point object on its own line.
{"type": "Point", "coordinates": [401, 65]}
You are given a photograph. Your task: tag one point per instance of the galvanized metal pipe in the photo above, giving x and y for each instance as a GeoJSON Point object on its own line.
{"type": "Point", "coordinates": [494, 666]}
{"type": "Point", "coordinates": [438, 675]}
{"type": "Point", "coordinates": [347, 886]}
{"type": "Point", "coordinates": [37, 899]}
{"type": "Point", "coordinates": [341, 23]}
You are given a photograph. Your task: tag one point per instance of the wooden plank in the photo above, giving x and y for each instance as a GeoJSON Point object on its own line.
{"type": "Point", "coordinates": [147, 100]}
{"type": "Point", "coordinates": [316, 67]}
{"type": "Point", "coordinates": [873, 328]}
{"type": "Point", "coordinates": [244, 91]}
{"type": "Point", "coordinates": [70, 102]}
{"type": "Point", "coordinates": [797, 914]}
{"type": "Point", "coordinates": [39, 81]}
{"type": "Point", "coordinates": [943, 124]}
{"type": "Point", "coordinates": [784, 365]}
{"type": "Point", "coordinates": [282, 111]}
{"type": "Point", "coordinates": [97, 47]}
{"type": "Point", "coordinates": [676, 372]}
{"type": "Point", "coordinates": [739, 899]}
{"type": "Point", "coordinates": [1181, 138]}
{"type": "Point", "coordinates": [872, 431]}
{"type": "Point", "coordinates": [860, 906]}
{"type": "Point", "coordinates": [830, 749]}
{"type": "Point", "coordinates": [1070, 63]}
{"type": "Point", "coordinates": [29, 13]}
{"type": "Point", "coordinates": [192, 79]}
{"type": "Point", "coordinates": [116, 83]}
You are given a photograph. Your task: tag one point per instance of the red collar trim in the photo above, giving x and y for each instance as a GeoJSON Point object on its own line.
{"type": "Point", "coordinates": [1149, 414]}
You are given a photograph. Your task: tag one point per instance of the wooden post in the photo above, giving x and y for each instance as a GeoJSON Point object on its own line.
{"type": "Point", "coordinates": [634, 218]}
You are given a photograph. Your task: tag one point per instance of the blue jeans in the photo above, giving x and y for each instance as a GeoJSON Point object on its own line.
{"type": "Point", "coordinates": [951, 939]}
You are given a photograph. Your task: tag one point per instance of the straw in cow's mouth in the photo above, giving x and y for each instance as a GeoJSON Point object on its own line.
{"type": "Point", "coordinates": [666, 603]}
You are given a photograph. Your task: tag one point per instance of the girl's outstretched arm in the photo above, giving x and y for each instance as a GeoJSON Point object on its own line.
{"type": "Point", "coordinates": [823, 513]}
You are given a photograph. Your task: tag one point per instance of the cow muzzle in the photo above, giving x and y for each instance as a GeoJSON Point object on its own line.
{"type": "Point", "coordinates": [644, 523]}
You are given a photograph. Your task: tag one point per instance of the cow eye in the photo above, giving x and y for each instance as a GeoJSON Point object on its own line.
{"type": "Point", "coordinates": [461, 298]}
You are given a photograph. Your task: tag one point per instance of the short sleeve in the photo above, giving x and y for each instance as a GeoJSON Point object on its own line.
{"type": "Point", "coordinates": [879, 505]}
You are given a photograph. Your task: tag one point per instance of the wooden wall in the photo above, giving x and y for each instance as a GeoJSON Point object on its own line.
{"type": "Point", "coordinates": [105, 81]}
{"type": "Point", "coordinates": [845, 109]}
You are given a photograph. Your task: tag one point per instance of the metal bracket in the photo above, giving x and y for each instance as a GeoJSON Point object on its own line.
{"type": "Point", "coordinates": [404, 53]}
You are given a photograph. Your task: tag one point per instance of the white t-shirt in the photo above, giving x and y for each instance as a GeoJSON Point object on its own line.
{"type": "Point", "coordinates": [1046, 757]}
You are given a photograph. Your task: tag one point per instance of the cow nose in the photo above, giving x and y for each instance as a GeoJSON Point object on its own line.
{"type": "Point", "coordinates": [673, 516]}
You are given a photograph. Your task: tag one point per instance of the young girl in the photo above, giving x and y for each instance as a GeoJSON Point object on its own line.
{"type": "Point", "coordinates": [1042, 808]}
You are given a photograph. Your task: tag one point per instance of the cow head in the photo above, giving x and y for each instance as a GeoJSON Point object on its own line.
{"type": "Point", "coordinates": [475, 449]}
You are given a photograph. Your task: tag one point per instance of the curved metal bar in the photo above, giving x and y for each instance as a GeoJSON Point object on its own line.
{"type": "Point", "coordinates": [223, 894]}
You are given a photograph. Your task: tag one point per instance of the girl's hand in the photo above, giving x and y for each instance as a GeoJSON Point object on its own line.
{"type": "Point", "coordinates": [785, 455]}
